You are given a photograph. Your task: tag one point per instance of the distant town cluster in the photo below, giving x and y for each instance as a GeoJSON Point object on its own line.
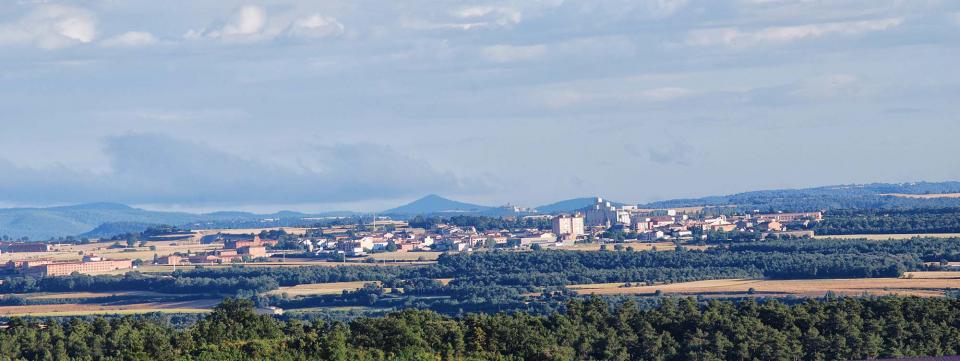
{"type": "Point", "coordinates": [599, 223]}
{"type": "Point", "coordinates": [673, 224]}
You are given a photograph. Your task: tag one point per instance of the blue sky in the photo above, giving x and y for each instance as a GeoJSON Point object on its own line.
{"type": "Point", "coordinates": [323, 105]}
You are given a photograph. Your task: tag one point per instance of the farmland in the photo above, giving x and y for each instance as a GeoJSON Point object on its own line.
{"type": "Point", "coordinates": [313, 289]}
{"type": "Point", "coordinates": [89, 295]}
{"type": "Point", "coordinates": [927, 284]}
{"type": "Point", "coordinates": [71, 252]}
{"type": "Point", "coordinates": [83, 309]}
{"type": "Point", "coordinates": [145, 251]}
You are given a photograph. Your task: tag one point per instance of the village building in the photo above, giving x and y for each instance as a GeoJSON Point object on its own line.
{"type": "Point", "coordinates": [67, 268]}
{"type": "Point", "coordinates": [602, 213]}
{"type": "Point", "coordinates": [566, 225]}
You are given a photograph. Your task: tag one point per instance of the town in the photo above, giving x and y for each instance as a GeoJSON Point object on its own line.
{"type": "Point", "coordinates": [597, 225]}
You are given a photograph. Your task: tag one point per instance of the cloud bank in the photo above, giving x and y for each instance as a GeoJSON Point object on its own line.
{"type": "Point", "coordinates": [51, 27]}
{"type": "Point", "coordinates": [538, 95]}
{"type": "Point", "coordinates": [252, 23]}
{"type": "Point", "coordinates": [786, 34]}
{"type": "Point", "coordinates": [158, 169]}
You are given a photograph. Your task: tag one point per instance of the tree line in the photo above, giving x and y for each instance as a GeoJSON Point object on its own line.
{"type": "Point", "coordinates": [874, 221]}
{"type": "Point", "coordinates": [678, 329]}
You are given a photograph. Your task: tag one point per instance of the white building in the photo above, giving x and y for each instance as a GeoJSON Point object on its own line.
{"type": "Point", "coordinates": [603, 213]}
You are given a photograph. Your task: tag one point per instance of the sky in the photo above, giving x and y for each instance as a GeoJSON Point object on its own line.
{"type": "Point", "coordinates": [363, 105]}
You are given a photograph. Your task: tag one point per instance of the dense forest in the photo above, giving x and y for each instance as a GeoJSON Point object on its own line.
{"type": "Point", "coordinates": [678, 329]}
{"type": "Point", "coordinates": [926, 249]}
{"type": "Point", "coordinates": [873, 221]}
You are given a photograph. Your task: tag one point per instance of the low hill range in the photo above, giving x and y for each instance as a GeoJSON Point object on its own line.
{"type": "Point", "coordinates": [105, 219]}
{"type": "Point", "coordinates": [853, 196]}
{"type": "Point", "coordinates": [874, 195]}
{"type": "Point", "coordinates": [96, 220]}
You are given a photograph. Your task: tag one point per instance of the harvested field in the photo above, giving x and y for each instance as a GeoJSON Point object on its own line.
{"type": "Point", "coordinates": [73, 295]}
{"type": "Point", "coordinates": [923, 196]}
{"type": "Point", "coordinates": [106, 312]}
{"type": "Point", "coordinates": [314, 289]}
{"type": "Point", "coordinates": [192, 306]}
{"type": "Point", "coordinates": [932, 275]}
{"type": "Point", "coordinates": [886, 237]}
{"type": "Point", "coordinates": [76, 252]}
{"type": "Point", "coordinates": [921, 285]}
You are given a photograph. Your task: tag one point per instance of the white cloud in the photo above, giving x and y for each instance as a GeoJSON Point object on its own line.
{"type": "Point", "coordinates": [246, 21]}
{"type": "Point", "coordinates": [665, 7]}
{"type": "Point", "coordinates": [315, 26]}
{"type": "Point", "coordinates": [511, 53]}
{"type": "Point", "coordinates": [501, 16]}
{"type": "Point", "coordinates": [153, 168]}
{"type": "Point", "coordinates": [427, 25]}
{"type": "Point", "coordinates": [51, 27]}
{"type": "Point", "coordinates": [784, 34]}
{"type": "Point", "coordinates": [130, 39]}
{"type": "Point", "coordinates": [469, 18]}
{"type": "Point", "coordinates": [252, 23]}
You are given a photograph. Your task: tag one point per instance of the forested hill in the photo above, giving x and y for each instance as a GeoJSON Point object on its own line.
{"type": "Point", "coordinates": [863, 196]}
{"type": "Point", "coordinates": [834, 329]}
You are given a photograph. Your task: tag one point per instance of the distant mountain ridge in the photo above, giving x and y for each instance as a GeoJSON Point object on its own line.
{"type": "Point", "coordinates": [102, 219]}
{"type": "Point", "coordinates": [105, 219]}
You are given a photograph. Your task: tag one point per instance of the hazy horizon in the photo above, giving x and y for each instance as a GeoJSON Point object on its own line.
{"type": "Point", "coordinates": [374, 206]}
{"type": "Point", "coordinates": [362, 105]}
